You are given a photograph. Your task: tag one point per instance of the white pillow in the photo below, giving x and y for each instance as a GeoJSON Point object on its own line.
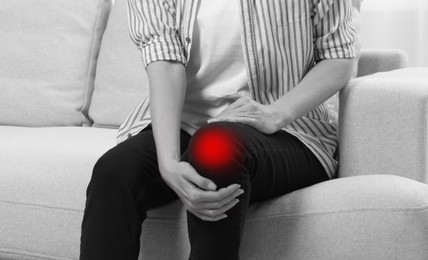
{"type": "Point", "coordinates": [47, 60]}
{"type": "Point", "coordinates": [121, 81]}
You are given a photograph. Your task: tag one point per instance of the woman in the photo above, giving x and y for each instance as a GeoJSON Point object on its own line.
{"type": "Point", "coordinates": [236, 114]}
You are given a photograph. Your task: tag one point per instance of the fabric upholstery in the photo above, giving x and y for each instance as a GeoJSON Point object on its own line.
{"type": "Point", "coordinates": [383, 122]}
{"type": "Point", "coordinates": [47, 60]}
{"type": "Point", "coordinates": [375, 60]}
{"type": "Point", "coordinates": [363, 217]}
{"type": "Point", "coordinates": [44, 173]}
{"type": "Point", "coordinates": [121, 81]}
{"type": "Point", "coordinates": [42, 197]}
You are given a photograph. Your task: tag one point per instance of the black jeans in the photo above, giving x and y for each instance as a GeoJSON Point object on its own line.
{"type": "Point", "coordinates": [126, 183]}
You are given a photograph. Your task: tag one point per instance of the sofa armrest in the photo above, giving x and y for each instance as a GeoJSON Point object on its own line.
{"type": "Point", "coordinates": [379, 60]}
{"type": "Point", "coordinates": [383, 125]}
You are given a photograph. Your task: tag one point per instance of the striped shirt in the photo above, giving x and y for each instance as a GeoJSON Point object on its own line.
{"type": "Point", "coordinates": [281, 40]}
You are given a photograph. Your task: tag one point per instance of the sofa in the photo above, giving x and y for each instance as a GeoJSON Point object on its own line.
{"type": "Point", "coordinates": [69, 75]}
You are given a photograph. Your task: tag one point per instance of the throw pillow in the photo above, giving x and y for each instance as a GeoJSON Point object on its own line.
{"type": "Point", "coordinates": [48, 52]}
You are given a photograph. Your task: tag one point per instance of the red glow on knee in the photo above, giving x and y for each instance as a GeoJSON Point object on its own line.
{"type": "Point", "coordinates": [214, 149]}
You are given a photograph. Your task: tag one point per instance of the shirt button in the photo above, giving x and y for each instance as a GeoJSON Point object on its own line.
{"type": "Point", "coordinates": [188, 40]}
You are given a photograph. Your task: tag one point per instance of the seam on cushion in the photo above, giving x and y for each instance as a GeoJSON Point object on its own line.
{"type": "Point", "coordinates": [88, 91]}
{"type": "Point", "coordinates": [41, 206]}
{"type": "Point", "coordinates": [425, 177]}
{"type": "Point", "coordinates": [417, 209]}
{"type": "Point", "coordinates": [30, 254]}
{"type": "Point", "coordinates": [109, 126]}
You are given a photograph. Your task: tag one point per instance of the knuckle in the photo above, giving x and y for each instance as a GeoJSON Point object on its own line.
{"type": "Point", "coordinates": [193, 196]}
{"type": "Point", "coordinates": [217, 197]}
{"type": "Point", "coordinates": [217, 205]}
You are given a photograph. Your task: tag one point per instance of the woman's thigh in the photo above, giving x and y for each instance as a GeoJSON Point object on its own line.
{"type": "Point", "coordinates": [276, 164]}
{"type": "Point", "coordinates": [133, 165]}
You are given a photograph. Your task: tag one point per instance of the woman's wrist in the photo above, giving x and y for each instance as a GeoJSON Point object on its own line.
{"type": "Point", "coordinates": [168, 166]}
{"type": "Point", "coordinates": [280, 115]}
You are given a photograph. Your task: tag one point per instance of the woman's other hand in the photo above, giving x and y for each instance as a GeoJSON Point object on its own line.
{"type": "Point", "coordinates": [247, 111]}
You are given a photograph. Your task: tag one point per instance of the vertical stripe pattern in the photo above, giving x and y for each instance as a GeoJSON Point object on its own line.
{"type": "Point", "coordinates": [154, 29]}
{"type": "Point", "coordinates": [282, 40]}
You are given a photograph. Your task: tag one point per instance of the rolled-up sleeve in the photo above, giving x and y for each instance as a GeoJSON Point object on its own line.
{"type": "Point", "coordinates": [334, 33]}
{"type": "Point", "coordinates": [153, 28]}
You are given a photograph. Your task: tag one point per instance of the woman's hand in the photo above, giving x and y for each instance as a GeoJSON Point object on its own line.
{"type": "Point", "coordinates": [247, 111]}
{"type": "Point", "coordinates": [199, 194]}
{"type": "Point", "coordinates": [321, 82]}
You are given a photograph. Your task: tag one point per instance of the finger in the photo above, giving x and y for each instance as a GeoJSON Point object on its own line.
{"type": "Point", "coordinates": [209, 200]}
{"type": "Point", "coordinates": [235, 119]}
{"type": "Point", "coordinates": [240, 114]}
{"type": "Point", "coordinates": [221, 203]}
{"type": "Point", "coordinates": [199, 181]}
{"type": "Point", "coordinates": [237, 104]}
{"type": "Point", "coordinates": [221, 194]}
{"type": "Point", "coordinates": [243, 111]}
{"type": "Point", "coordinates": [214, 213]}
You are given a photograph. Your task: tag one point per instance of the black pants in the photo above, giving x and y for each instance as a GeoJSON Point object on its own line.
{"type": "Point", "coordinates": [126, 183]}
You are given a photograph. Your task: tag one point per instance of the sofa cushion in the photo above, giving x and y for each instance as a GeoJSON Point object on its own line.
{"type": "Point", "coordinates": [44, 173]}
{"type": "Point", "coordinates": [363, 217]}
{"type": "Point", "coordinates": [47, 60]}
{"type": "Point", "coordinates": [381, 60]}
{"type": "Point", "coordinates": [121, 81]}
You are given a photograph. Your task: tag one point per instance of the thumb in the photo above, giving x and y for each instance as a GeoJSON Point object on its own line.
{"type": "Point", "coordinates": [200, 181]}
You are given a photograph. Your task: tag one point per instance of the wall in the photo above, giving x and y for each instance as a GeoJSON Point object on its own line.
{"type": "Point", "coordinates": [399, 24]}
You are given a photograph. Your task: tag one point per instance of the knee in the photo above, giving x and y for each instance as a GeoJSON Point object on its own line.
{"type": "Point", "coordinates": [216, 151]}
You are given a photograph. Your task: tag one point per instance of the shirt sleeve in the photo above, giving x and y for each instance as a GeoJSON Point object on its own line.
{"type": "Point", "coordinates": [334, 32]}
{"type": "Point", "coordinates": [153, 28]}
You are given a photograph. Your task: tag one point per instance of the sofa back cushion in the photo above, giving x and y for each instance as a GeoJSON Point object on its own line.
{"type": "Point", "coordinates": [48, 52]}
{"type": "Point", "coordinates": [121, 81]}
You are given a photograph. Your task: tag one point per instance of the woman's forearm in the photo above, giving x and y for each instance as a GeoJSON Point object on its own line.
{"type": "Point", "coordinates": [167, 90]}
{"type": "Point", "coordinates": [321, 82]}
